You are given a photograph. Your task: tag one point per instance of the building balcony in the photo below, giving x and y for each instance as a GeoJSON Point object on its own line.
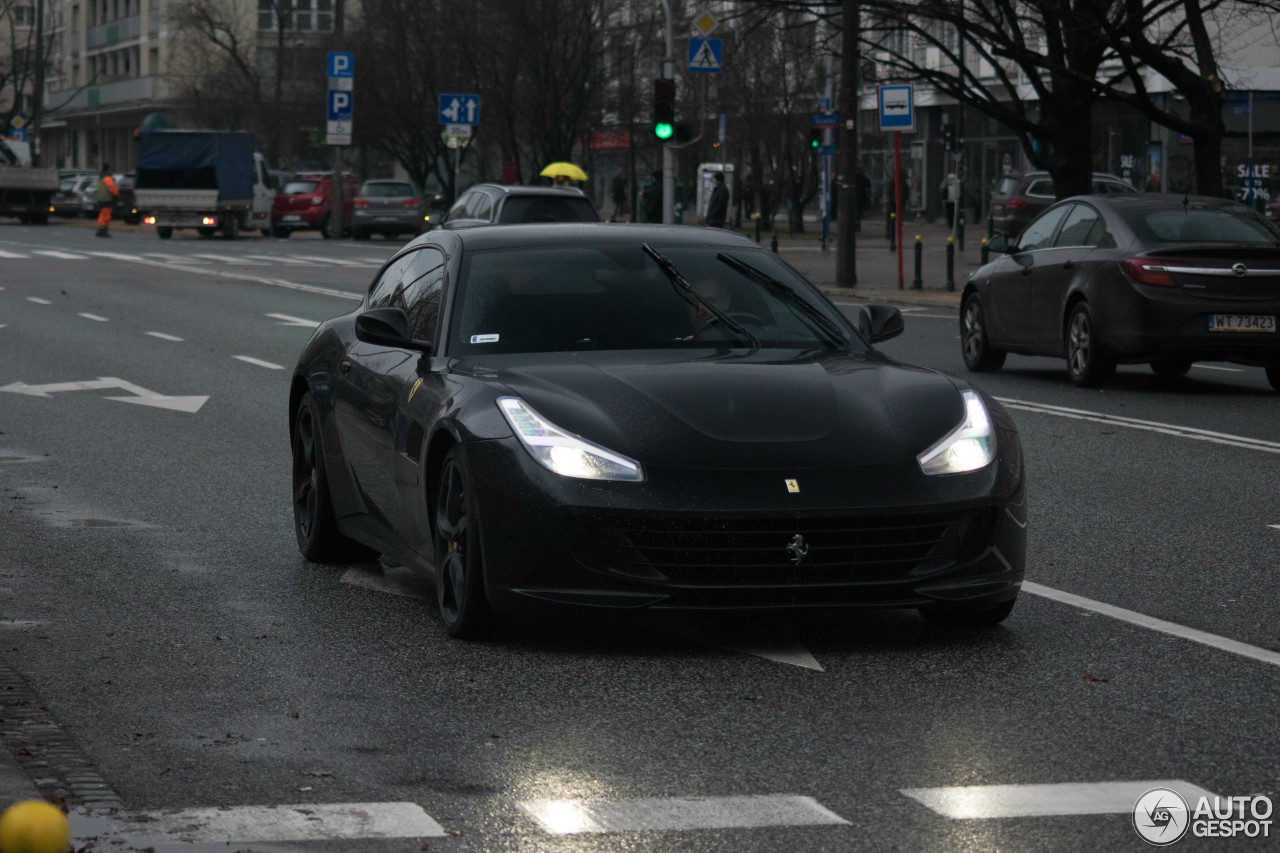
{"type": "Point", "coordinates": [106, 35]}
{"type": "Point", "coordinates": [134, 90]}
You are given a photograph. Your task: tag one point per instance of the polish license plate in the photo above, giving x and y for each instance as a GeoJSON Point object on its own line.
{"type": "Point", "coordinates": [292, 217]}
{"type": "Point", "coordinates": [1242, 323]}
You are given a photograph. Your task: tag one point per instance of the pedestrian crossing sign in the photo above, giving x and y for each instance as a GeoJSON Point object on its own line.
{"type": "Point", "coordinates": [704, 55]}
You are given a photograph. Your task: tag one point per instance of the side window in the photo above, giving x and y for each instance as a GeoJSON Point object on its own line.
{"type": "Point", "coordinates": [459, 209]}
{"type": "Point", "coordinates": [1041, 188]}
{"type": "Point", "coordinates": [1037, 234]}
{"type": "Point", "coordinates": [482, 209]}
{"type": "Point", "coordinates": [424, 286]}
{"type": "Point", "coordinates": [389, 291]}
{"type": "Point", "coordinates": [1081, 227]}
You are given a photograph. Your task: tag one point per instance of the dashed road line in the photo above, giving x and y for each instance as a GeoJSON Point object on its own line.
{"type": "Point", "coordinates": [13, 255]}
{"type": "Point", "coordinates": [38, 300]}
{"type": "Point", "coordinates": [162, 336]}
{"type": "Point", "coordinates": [294, 321]}
{"type": "Point", "coordinates": [982, 802]}
{"type": "Point", "coordinates": [1149, 426]}
{"type": "Point", "coordinates": [1224, 644]}
{"type": "Point", "coordinates": [224, 259]}
{"type": "Point", "coordinates": [63, 256]}
{"type": "Point", "coordinates": [171, 259]}
{"type": "Point", "coordinates": [296, 262]}
{"type": "Point", "coordinates": [89, 316]}
{"type": "Point", "coordinates": [248, 359]}
{"type": "Point", "coordinates": [569, 817]}
{"type": "Point", "coordinates": [337, 261]}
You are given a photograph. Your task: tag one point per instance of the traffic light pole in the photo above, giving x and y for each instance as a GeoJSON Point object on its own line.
{"type": "Point", "coordinates": [668, 153]}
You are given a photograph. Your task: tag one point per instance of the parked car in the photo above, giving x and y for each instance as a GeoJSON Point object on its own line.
{"type": "Point", "coordinates": [552, 416]}
{"type": "Point", "coordinates": [387, 207]}
{"type": "Point", "coordinates": [1130, 278]}
{"type": "Point", "coordinates": [503, 204]}
{"type": "Point", "coordinates": [1018, 199]}
{"type": "Point", "coordinates": [305, 203]}
{"type": "Point", "coordinates": [77, 195]}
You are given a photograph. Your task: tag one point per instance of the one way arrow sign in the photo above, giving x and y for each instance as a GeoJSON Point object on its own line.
{"type": "Point", "coordinates": [142, 396]}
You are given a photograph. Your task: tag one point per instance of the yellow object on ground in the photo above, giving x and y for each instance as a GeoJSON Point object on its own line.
{"type": "Point", "coordinates": [34, 826]}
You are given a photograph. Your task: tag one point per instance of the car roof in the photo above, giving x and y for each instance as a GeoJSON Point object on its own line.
{"type": "Point", "coordinates": [534, 235]}
{"type": "Point", "coordinates": [523, 189]}
{"type": "Point", "coordinates": [1161, 200]}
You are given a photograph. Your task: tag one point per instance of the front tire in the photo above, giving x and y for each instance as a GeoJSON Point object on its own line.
{"type": "Point", "coordinates": [314, 522]}
{"type": "Point", "coordinates": [948, 616]}
{"type": "Point", "coordinates": [1088, 364]}
{"type": "Point", "coordinates": [975, 346]}
{"type": "Point", "coordinates": [464, 607]}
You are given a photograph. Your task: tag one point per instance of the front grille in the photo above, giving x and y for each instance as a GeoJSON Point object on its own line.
{"type": "Point", "coordinates": [714, 549]}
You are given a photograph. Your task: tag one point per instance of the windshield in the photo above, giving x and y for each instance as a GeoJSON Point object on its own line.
{"type": "Point", "coordinates": [1199, 224]}
{"type": "Point", "coordinates": [614, 297]}
{"type": "Point", "coordinates": [296, 187]}
{"type": "Point", "coordinates": [532, 208]}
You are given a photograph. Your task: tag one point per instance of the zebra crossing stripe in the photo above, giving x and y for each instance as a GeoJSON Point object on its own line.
{"type": "Point", "coordinates": [64, 256]}
{"type": "Point", "coordinates": [568, 817]}
{"type": "Point", "coordinates": [1077, 798]}
{"type": "Point", "coordinates": [14, 255]}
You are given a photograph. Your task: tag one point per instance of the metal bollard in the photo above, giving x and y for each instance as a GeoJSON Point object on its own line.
{"type": "Point", "coordinates": [917, 282]}
{"type": "Point", "coordinates": [888, 224]}
{"type": "Point", "coordinates": [960, 230]}
{"type": "Point", "coordinates": [773, 244]}
{"type": "Point", "coordinates": [893, 233]}
{"type": "Point", "coordinates": [986, 251]}
{"type": "Point", "coordinates": [951, 265]}
{"type": "Point", "coordinates": [757, 228]}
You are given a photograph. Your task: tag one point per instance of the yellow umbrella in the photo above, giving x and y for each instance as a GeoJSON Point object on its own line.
{"type": "Point", "coordinates": [566, 170]}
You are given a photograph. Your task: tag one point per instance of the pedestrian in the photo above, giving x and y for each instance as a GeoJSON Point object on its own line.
{"type": "Point", "coordinates": [653, 198]}
{"type": "Point", "coordinates": [950, 195]}
{"type": "Point", "coordinates": [619, 191]}
{"type": "Point", "coordinates": [718, 206]}
{"type": "Point", "coordinates": [107, 193]}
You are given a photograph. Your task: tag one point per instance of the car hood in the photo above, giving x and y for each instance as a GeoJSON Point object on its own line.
{"type": "Point", "coordinates": [720, 411]}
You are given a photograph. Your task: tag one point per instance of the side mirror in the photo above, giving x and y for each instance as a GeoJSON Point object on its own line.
{"type": "Point", "coordinates": [880, 322]}
{"type": "Point", "coordinates": [998, 243]}
{"type": "Point", "coordinates": [388, 326]}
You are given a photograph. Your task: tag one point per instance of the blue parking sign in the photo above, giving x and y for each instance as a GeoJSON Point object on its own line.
{"type": "Point", "coordinates": [342, 64]}
{"type": "Point", "coordinates": [340, 106]}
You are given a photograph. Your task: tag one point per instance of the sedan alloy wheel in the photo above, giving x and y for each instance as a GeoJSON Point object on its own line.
{"type": "Point", "coordinates": [978, 353]}
{"type": "Point", "coordinates": [1087, 364]}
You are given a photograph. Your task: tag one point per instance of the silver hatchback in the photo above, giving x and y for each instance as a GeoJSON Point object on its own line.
{"type": "Point", "coordinates": [388, 207]}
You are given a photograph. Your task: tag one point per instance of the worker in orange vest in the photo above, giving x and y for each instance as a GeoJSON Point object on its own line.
{"type": "Point", "coordinates": [107, 193]}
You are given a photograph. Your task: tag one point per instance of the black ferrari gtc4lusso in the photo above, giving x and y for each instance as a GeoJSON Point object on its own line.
{"type": "Point", "coordinates": [617, 416]}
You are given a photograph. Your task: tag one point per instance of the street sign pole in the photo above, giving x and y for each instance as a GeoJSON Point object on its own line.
{"type": "Point", "coordinates": [340, 101]}
{"type": "Point", "coordinates": [668, 153]}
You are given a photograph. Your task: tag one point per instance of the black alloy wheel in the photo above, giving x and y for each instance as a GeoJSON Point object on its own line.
{"type": "Point", "coordinates": [979, 356]}
{"type": "Point", "coordinates": [1171, 368]}
{"type": "Point", "coordinates": [951, 616]}
{"type": "Point", "coordinates": [460, 594]}
{"type": "Point", "coordinates": [1087, 363]}
{"type": "Point", "coordinates": [314, 522]}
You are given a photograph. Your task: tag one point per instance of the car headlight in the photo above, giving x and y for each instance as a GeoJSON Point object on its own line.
{"type": "Point", "coordinates": [565, 453]}
{"type": "Point", "coordinates": [968, 447]}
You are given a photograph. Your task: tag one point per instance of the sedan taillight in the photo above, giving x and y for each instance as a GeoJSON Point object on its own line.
{"type": "Point", "coordinates": [409, 202]}
{"type": "Point", "coordinates": [1013, 205]}
{"type": "Point", "coordinates": [1147, 271]}
{"type": "Point", "coordinates": [362, 202]}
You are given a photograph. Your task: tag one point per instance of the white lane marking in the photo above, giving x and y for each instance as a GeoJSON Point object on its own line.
{"type": "Point", "coordinates": [63, 256]}
{"type": "Point", "coordinates": [245, 824]}
{"type": "Point", "coordinates": [567, 817]}
{"type": "Point", "coordinates": [294, 321]}
{"type": "Point", "coordinates": [375, 261]}
{"type": "Point", "coordinates": [281, 259]}
{"type": "Point", "coordinates": [393, 581]}
{"type": "Point", "coordinates": [162, 336]}
{"type": "Point", "coordinates": [1215, 367]}
{"type": "Point", "coordinates": [223, 259]}
{"type": "Point", "coordinates": [38, 300]}
{"type": "Point", "coordinates": [142, 396]}
{"type": "Point", "coordinates": [248, 359]}
{"type": "Point", "coordinates": [1276, 526]}
{"type": "Point", "coordinates": [337, 261]}
{"type": "Point", "coordinates": [88, 316]}
{"type": "Point", "coordinates": [1224, 644]}
{"type": "Point", "coordinates": [14, 255]}
{"type": "Point", "coordinates": [170, 259]}
{"type": "Point", "coordinates": [1149, 426]}
{"type": "Point", "coordinates": [119, 256]}
{"type": "Point", "coordinates": [980, 802]}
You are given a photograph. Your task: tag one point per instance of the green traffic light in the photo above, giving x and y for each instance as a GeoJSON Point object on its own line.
{"type": "Point", "coordinates": [814, 143]}
{"type": "Point", "coordinates": [662, 130]}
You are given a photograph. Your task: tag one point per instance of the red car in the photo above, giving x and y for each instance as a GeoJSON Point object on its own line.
{"type": "Point", "coordinates": [305, 204]}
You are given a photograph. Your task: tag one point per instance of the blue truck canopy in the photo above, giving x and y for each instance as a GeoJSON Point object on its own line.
{"type": "Point", "coordinates": [196, 160]}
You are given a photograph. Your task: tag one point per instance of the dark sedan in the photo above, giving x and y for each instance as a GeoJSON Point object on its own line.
{"type": "Point", "coordinates": [614, 416]}
{"type": "Point", "coordinates": [1099, 280]}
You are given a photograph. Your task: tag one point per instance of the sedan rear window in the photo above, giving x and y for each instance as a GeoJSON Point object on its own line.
{"type": "Point", "coordinates": [1007, 186]}
{"type": "Point", "coordinates": [387, 191]}
{"type": "Point", "coordinates": [297, 187]}
{"type": "Point", "coordinates": [1203, 225]}
{"type": "Point", "coordinates": [548, 209]}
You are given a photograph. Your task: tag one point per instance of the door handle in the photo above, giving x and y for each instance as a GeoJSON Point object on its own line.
{"type": "Point", "coordinates": [345, 367]}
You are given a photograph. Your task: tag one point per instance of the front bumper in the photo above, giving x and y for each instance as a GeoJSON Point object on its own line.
{"type": "Point", "coordinates": [879, 537]}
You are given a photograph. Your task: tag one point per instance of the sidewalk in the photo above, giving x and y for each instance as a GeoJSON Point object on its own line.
{"type": "Point", "coordinates": [876, 267]}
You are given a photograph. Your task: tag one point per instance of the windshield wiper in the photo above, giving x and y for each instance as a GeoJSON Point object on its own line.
{"type": "Point", "coordinates": [686, 291]}
{"type": "Point", "coordinates": [761, 277]}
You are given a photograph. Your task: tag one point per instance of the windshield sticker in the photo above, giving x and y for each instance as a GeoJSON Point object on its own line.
{"type": "Point", "coordinates": [484, 339]}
